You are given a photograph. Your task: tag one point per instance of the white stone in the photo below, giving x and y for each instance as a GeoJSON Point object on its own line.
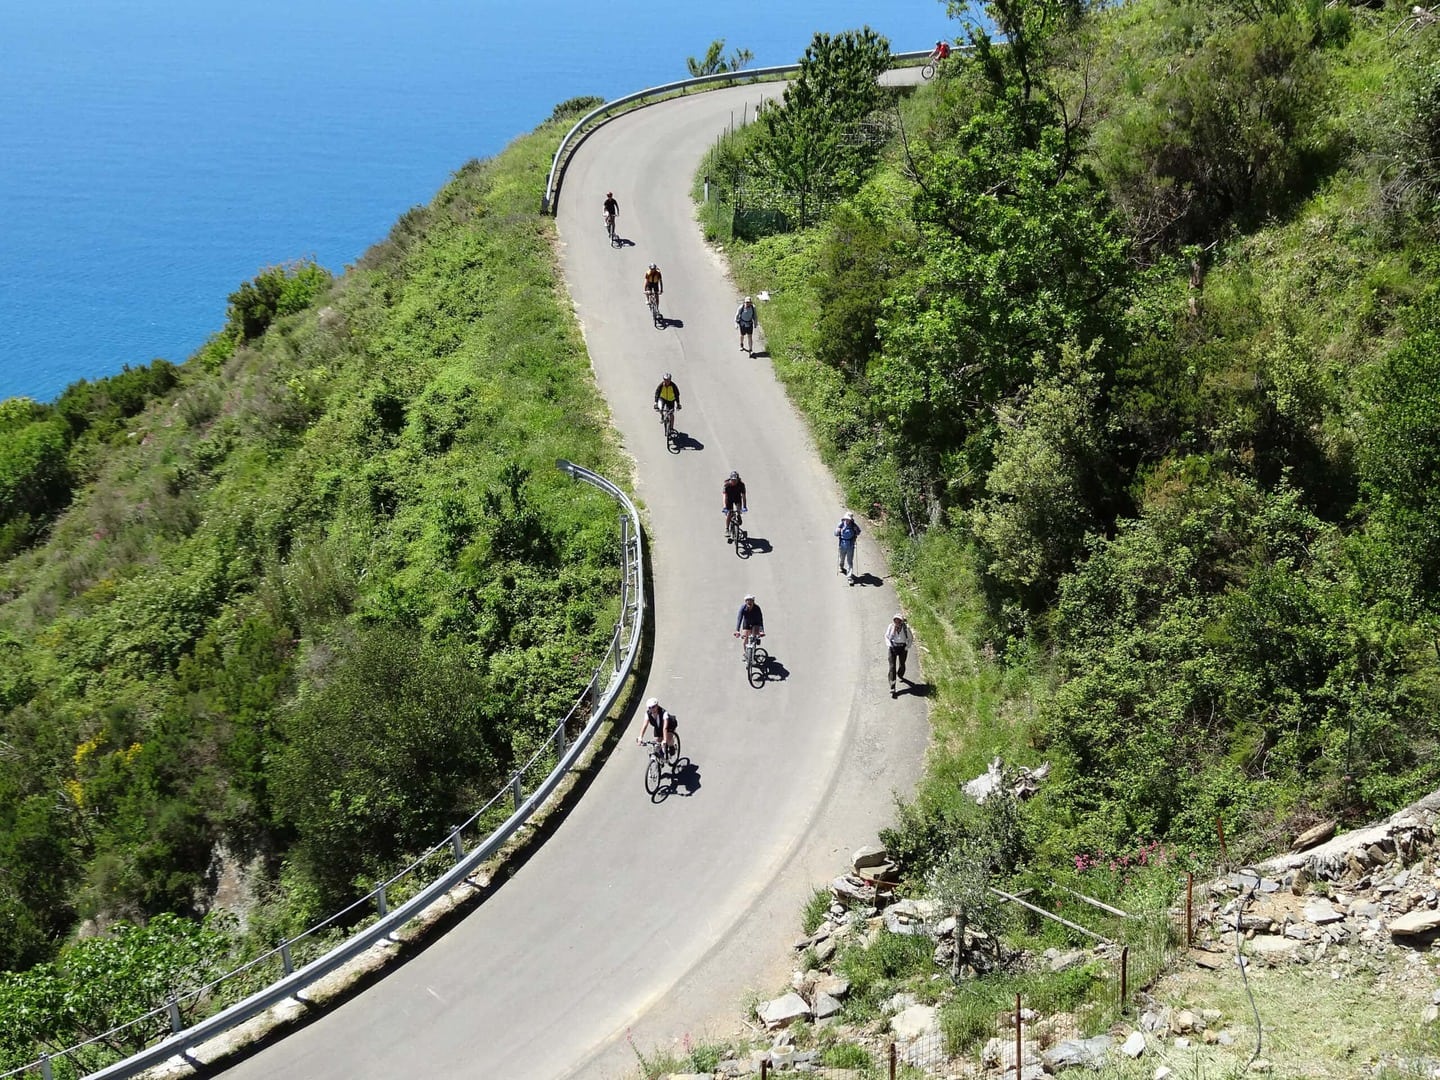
{"type": "Point", "coordinates": [1321, 912]}
{"type": "Point", "coordinates": [1416, 922]}
{"type": "Point", "coordinates": [825, 1005]}
{"type": "Point", "coordinates": [1134, 1046]}
{"type": "Point", "coordinates": [782, 1010]}
{"type": "Point", "coordinates": [914, 1022]}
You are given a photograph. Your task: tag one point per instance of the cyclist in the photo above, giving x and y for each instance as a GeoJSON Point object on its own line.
{"type": "Point", "coordinates": [848, 532]}
{"type": "Point", "coordinates": [745, 320]}
{"type": "Point", "coordinates": [612, 211]}
{"type": "Point", "coordinates": [732, 494]}
{"type": "Point", "coordinates": [667, 398]}
{"type": "Point", "coordinates": [659, 723]}
{"type": "Point", "coordinates": [654, 285]}
{"type": "Point", "coordinates": [749, 622]}
{"type": "Point", "coordinates": [940, 52]}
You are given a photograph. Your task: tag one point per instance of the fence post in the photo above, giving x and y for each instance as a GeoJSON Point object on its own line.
{"type": "Point", "coordinates": [560, 742]}
{"type": "Point", "coordinates": [175, 1023]}
{"type": "Point", "coordinates": [894, 1058]}
{"type": "Point", "coordinates": [1124, 975]}
{"type": "Point", "coordinates": [286, 961]}
{"type": "Point", "coordinates": [1019, 1042]}
{"type": "Point", "coordinates": [1189, 908]}
{"type": "Point", "coordinates": [457, 843]}
{"type": "Point", "coordinates": [381, 904]}
{"type": "Point", "coordinates": [45, 1072]}
{"type": "Point", "coordinates": [517, 791]}
{"type": "Point", "coordinates": [764, 1068]}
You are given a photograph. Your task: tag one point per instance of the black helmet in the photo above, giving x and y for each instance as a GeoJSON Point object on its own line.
{"type": "Point", "coordinates": [734, 475]}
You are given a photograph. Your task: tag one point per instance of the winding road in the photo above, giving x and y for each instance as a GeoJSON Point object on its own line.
{"type": "Point", "coordinates": [640, 918]}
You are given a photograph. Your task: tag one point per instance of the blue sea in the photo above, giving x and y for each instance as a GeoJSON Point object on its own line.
{"type": "Point", "coordinates": [154, 154]}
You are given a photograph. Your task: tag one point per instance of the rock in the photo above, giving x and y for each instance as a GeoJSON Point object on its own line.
{"type": "Point", "coordinates": [852, 890]}
{"type": "Point", "coordinates": [837, 986]}
{"type": "Point", "coordinates": [1272, 946]}
{"type": "Point", "coordinates": [1317, 834]}
{"type": "Point", "coordinates": [1260, 1065]}
{"type": "Point", "coordinates": [1163, 1073]}
{"type": "Point", "coordinates": [1182, 1043]}
{"type": "Point", "coordinates": [1150, 1020]}
{"type": "Point", "coordinates": [1321, 912]}
{"type": "Point", "coordinates": [898, 924]}
{"type": "Point", "coordinates": [1133, 1046]}
{"type": "Point", "coordinates": [914, 1023]}
{"type": "Point", "coordinates": [825, 951]}
{"type": "Point", "coordinates": [1076, 1052]}
{"type": "Point", "coordinates": [1056, 960]}
{"type": "Point", "coordinates": [783, 1010]}
{"type": "Point", "coordinates": [825, 1005]}
{"type": "Point", "coordinates": [987, 783]}
{"type": "Point", "coordinates": [945, 927]}
{"type": "Point", "coordinates": [900, 1002]}
{"type": "Point", "coordinates": [730, 1068]}
{"type": "Point", "coordinates": [1185, 1021]}
{"type": "Point", "coordinates": [868, 856]}
{"type": "Point", "coordinates": [1430, 1014]}
{"type": "Point", "coordinates": [1363, 909]}
{"type": "Point", "coordinates": [1298, 932]}
{"type": "Point", "coordinates": [1212, 1016]}
{"type": "Point", "coordinates": [1415, 924]}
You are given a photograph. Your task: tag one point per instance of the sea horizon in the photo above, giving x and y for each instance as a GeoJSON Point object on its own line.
{"type": "Point", "coordinates": [160, 155]}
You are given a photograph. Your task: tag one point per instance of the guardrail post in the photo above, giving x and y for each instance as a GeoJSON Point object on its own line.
{"type": "Point", "coordinates": [380, 902]}
{"type": "Point", "coordinates": [175, 1023]}
{"type": "Point", "coordinates": [517, 791]}
{"type": "Point", "coordinates": [457, 844]}
{"type": "Point", "coordinates": [286, 960]}
{"type": "Point", "coordinates": [560, 742]}
{"type": "Point", "coordinates": [45, 1070]}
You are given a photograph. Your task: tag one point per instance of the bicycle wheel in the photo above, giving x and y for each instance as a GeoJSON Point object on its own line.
{"type": "Point", "coordinates": [742, 543]}
{"type": "Point", "coordinates": [672, 752]}
{"type": "Point", "coordinates": [758, 669]}
{"type": "Point", "coordinates": [928, 71]}
{"type": "Point", "coordinates": [652, 775]}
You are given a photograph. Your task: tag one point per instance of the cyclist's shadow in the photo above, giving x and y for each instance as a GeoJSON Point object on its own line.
{"type": "Point", "coordinates": [682, 780]}
{"type": "Point", "coordinates": [774, 671]}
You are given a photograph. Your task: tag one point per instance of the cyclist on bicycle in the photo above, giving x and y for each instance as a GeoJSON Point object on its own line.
{"type": "Point", "coordinates": [659, 723]}
{"type": "Point", "coordinates": [667, 394]}
{"type": "Point", "coordinates": [749, 622]}
{"type": "Point", "coordinates": [940, 52]}
{"type": "Point", "coordinates": [733, 495]}
{"type": "Point", "coordinates": [612, 209]}
{"type": "Point", "coordinates": [654, 285]}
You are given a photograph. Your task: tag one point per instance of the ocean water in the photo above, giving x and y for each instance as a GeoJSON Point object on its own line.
{"type": "Point", "coordinates": [156, 153]}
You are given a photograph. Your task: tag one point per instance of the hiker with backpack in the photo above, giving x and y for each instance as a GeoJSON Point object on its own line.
{"type": "Point", "coordinates": [848, 532]}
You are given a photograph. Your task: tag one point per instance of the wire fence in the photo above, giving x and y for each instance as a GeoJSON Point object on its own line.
{"type": "Point", "coordinates": [203, 1011]}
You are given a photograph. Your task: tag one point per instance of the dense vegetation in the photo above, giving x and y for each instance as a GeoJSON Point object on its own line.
{"type": "Point", "coordinates": [299, 604]}
{"type": "Point", "coordinates": [1130, 330]}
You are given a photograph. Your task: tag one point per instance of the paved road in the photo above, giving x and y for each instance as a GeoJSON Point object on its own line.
{"type": "Point", "coordinates": [649, 919]}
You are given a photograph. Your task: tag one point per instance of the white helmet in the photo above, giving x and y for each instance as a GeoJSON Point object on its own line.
{"type": "Point", "coordinates": [652, 703]}
{"type": "Point", "coordinates": [749, 596]}
{"type": "Point", "coordinates": [666, 378]}
{"type": "Point", "coordinates": [847, 516]}
{"type": "Point", "coordinates": [654, 267]}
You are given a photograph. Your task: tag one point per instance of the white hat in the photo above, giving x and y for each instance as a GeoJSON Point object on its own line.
{"type": "Point", "coordinates": [747, 299]}
{"type": "Point", "coordinates": [897, 617]}
{"type": "Point", "coordinates": [652, 703]}
{"type": "Point", "coordinates": [848, 514]}
{"type": "Point", "coordinates": [749, 596]}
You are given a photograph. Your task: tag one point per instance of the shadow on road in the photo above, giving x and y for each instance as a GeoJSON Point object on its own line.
{"type": "Point", "coordinates": [759, 544]}
{"type": "Point", "coordinates": [666, 321]}
{"type": "Point", "coordinates": [760, 354]}
{"type": "Point", "coordinates": [916, 689]}
{"type": "Point", "coordinates": [684, 780]}
{"type": "Point", "coordinates": [866, 579]}
{"type": "Point", "coordinates": [775, 671]}
{"type": "Point", "coordinates": [685, 441]}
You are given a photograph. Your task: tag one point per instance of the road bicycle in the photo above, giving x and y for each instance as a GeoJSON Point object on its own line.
{"type": "Point", "coordinates": [610, 229]}
{"type": "Point", "coordinates": [735, 533]}
{"type": "Point", "coordinates": [652, 298]}
{"type": "Point", "coordinates": [661, 757]}
{"type": "Point", "coordinates": [667, 422]}
{"type": "Point", "coordinates": [932, 67]}
{"type": "Point", "coordinates": [757, 660]}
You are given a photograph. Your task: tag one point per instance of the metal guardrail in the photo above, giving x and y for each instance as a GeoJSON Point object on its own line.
{"type": "Point", "coordinates": [607, 681]}
{"type": "Point", "coordinates": [566, 149]}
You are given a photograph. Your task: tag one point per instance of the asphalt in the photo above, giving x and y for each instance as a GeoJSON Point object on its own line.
{"type": "Point", "coordinates": [644, 920]}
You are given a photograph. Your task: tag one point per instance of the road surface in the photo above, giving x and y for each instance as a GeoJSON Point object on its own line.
{"type": "Point", "coordinates": [643, 919]}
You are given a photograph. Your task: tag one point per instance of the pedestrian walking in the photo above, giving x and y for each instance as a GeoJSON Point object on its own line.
{"type": "Point", "coordinates": [848, 532]}
{"type": "Point", "coordinates": [745, 320]}
{"type": "Point", "coordinates": [897, 640]}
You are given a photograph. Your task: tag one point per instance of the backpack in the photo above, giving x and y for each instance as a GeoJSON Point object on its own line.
{"type": "Point", "coordinates": [847, 530]}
